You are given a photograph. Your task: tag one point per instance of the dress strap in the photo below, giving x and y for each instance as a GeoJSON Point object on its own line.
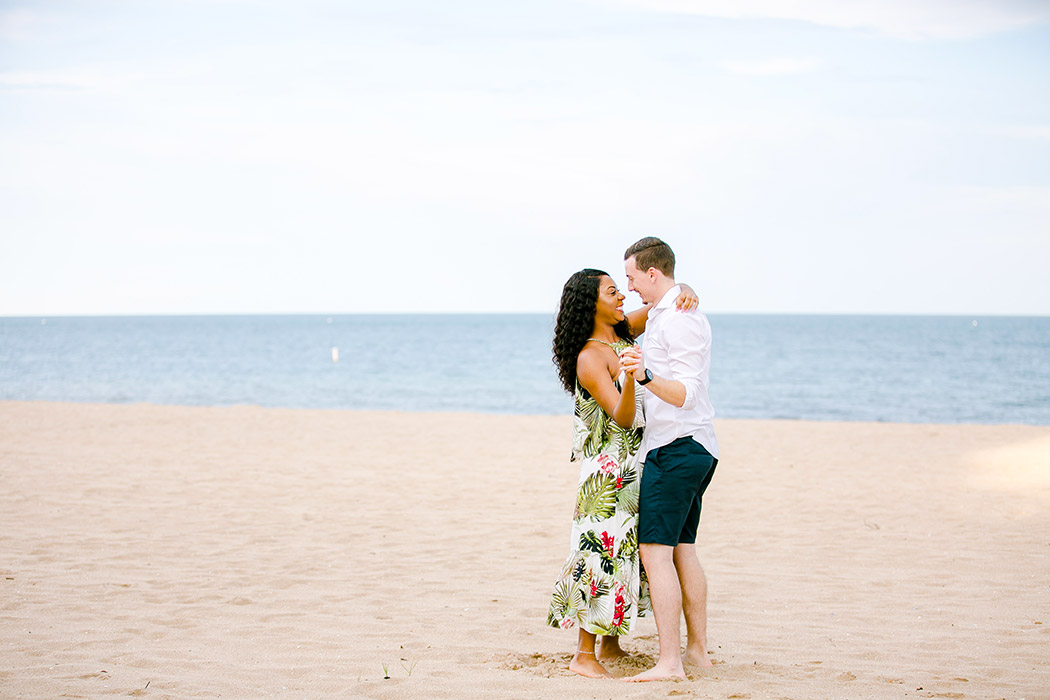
{"type": "Point", "coordinates": [603, 343]}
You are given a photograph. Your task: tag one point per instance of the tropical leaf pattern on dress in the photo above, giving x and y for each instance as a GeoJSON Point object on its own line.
{"type": "Point", "coordinates": [601, 547]}
{"type": "Point", "coordinates": [602, 587]}
{"type": "Point", "coordinates": [591, 424]}
{"type": "Point", "coordinates": [599, 586]}
{"type": "Point", "coordinates": [628, 442]}
{"type": "Point", "coordinates": [575, 566]}
{"type": "Point", "coordinates": [567, 602]}
{"type": "Point", "coordinates": [628, 545]}
{"type": "Point", "coordinates": [591, 542]}
{"type": "Point", "coordinates": [627, 500]}
{"type": "Point", "coordinates": [579, 568]}
{"type": "Point", "coordinates": [627, 475]}
{"type": "Point", "coordinates": [596, 609]}
{"type": "Point", "coordinates": [596, 499]}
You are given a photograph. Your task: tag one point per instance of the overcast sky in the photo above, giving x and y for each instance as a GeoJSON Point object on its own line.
{"type": "Point", "coordinates": [226, 156]}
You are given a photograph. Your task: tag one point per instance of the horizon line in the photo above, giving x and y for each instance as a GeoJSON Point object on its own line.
{"type": "Point", "coordinates": [221, 314]}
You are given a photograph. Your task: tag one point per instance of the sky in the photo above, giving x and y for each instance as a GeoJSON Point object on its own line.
{"type": "Point", "coordinates": [232, 156]}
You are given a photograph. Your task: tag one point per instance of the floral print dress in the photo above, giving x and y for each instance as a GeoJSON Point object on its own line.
{"type": "Point", "coordinates": [602, 587]}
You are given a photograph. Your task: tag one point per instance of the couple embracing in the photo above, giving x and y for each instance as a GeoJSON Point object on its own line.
{"type": "Point", "coordinates": [644, 437]}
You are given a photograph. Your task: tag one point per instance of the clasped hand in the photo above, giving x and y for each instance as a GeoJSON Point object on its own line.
{"type": "Point", "coordinates": [631, 362]}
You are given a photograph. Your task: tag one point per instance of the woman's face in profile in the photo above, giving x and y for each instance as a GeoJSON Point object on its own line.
{"type": "Point", "coordinates": [609, 307]}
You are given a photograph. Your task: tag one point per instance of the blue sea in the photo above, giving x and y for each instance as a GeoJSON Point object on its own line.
{"type": "Point", "coordinates": [915, 369]}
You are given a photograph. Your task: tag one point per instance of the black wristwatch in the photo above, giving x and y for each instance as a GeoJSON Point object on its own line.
{"type": "Point", "coordinates": [648, 378]}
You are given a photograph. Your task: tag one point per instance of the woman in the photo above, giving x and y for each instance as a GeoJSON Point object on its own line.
{"type": "Point", "coordinates": [602, 588]}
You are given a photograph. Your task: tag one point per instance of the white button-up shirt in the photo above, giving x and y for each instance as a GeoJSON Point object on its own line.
{"type": "Point", "coordinates": [677, 345]}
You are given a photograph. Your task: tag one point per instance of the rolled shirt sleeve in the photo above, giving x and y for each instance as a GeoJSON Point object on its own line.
{"type": "Point", "coordinates": [677, 346]}
{"type": "Point", "coordinates": [688, 343]}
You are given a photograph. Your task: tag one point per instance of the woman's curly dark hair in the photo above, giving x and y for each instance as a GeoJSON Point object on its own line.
{"type": "Point", "coordinates": [575, 322]}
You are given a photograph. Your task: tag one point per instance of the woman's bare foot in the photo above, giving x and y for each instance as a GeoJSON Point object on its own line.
{"type": "Point", "coordinates": [658, 673]}
{"type": "Point", "coordinates": [586, 665]}
{"type": "Point", "coordinates": [696, 658]}
{"type": "Point", "coordinates": [610, 649]}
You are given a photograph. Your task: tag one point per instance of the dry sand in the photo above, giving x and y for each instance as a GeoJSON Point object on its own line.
{"type": "Point", "coordinates": [170, 552]}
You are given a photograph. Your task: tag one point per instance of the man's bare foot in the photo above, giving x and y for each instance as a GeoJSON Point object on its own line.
{"type": "Point", "coordinates": [696, 658]}
{"type": "Point", "coordinates": [658, 673]}
{"type": "Point", "coordinates": [610, 650]}
{"type": "Point", "coordinates": [586, 665]}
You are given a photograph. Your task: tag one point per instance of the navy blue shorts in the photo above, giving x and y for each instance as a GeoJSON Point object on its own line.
{"type": "Point", "coordinates": [674, 479]}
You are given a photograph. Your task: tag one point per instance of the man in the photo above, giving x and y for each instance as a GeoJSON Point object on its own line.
{"type": "Point", "coordinates": [681, 455]}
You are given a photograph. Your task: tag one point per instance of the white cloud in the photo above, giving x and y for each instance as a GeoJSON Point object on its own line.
{"type": "Point", "coordinates": [773, 66]}
{"type": "Point", "coordinates": [912, 19]}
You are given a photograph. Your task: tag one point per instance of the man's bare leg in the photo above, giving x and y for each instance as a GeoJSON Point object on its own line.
{"type": "Point", "coordinates": [666, 594]}
{"type": "Point", "coordinates": [694, 602]}
{"type": "Point", "coordinates": [585, 663]}
{"type": "Point", "coordinates": [610, 649]}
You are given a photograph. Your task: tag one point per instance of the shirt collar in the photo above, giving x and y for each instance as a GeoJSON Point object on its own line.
{"type": "Point", "coordinates": [667, 301]}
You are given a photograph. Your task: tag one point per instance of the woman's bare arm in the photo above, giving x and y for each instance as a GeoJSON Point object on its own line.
{"type": "Point", "coordinates": [593, 371]}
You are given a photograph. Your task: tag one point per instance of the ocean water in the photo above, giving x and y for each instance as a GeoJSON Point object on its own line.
{"type": "Point", "coordinates": [916, 369]}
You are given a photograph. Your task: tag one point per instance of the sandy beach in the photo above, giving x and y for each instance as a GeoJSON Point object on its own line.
{"type": "Point", "coordinates": [241, 552]}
